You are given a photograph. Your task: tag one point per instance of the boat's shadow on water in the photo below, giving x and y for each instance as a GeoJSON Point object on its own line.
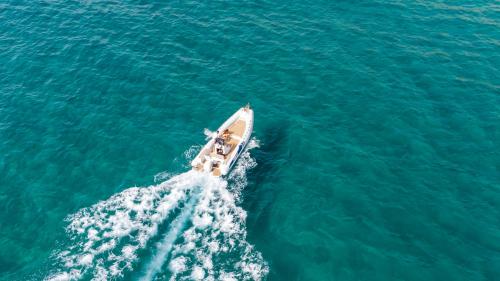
{"type": "Point", "coordinates": [261, 192]}
{"type": "Point", "coordinates": [268, 155]}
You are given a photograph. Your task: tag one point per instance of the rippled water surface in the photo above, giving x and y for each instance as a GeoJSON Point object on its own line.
{"type": "Point", "coordinates": [375, 153]}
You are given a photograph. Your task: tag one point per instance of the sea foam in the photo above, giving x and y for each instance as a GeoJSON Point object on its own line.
{"type": "Point", "coordinates": [190, 226]}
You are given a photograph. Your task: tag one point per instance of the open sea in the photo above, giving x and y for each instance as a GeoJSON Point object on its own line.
{"type": "Point", "coordinates": [375, 153]}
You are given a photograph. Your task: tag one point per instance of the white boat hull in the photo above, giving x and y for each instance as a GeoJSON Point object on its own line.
{"type": "Point", "coordinates": [239, 128]}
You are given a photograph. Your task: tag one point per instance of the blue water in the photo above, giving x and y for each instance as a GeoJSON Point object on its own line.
{"type": "Point", "coordinates": [375, 152]}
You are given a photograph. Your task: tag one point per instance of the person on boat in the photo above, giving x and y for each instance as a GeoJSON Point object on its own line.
{"type": "Point", "coordinates": [219, 140]}
{"type": "Point", "coordinates": [226, 134]}
{"type": "Point", "coordinates": [219, 144]}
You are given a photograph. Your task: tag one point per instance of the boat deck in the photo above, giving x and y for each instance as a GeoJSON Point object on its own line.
{"type": "Point", "coordinates": [236, 131]}
{"type": "Point", "coordinates": [237, 128]}
{"type": "Point", "coordinates": [216, 172]}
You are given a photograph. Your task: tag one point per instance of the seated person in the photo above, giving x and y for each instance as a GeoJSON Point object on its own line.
{"type": "Point", "coordinates": [226, 134]}
{"type": "Point", "coordinates": [219, 143]}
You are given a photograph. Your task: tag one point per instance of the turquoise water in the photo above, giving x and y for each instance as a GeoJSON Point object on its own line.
{"type": "Point", "coordinates": [375, 152]}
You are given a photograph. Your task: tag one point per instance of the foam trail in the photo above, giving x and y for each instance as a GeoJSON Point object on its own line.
{"type": "Point", "coordinates": [164, 247]}
{"type": "Point", "coordinates": [215, 245]}
{"type": "Point", "coordinates": [106, 239]}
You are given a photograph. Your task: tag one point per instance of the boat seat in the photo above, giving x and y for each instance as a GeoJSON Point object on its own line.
{"type": "Point", "coordinates": [226, 148]}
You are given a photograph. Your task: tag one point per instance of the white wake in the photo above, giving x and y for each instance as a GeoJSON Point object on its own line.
{"type": "Point", "coordinates": [189, 227]}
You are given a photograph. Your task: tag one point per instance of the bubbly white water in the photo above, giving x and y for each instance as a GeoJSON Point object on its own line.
{"type": "Point", "coordinates": [204, 237]}
{"type": "Point", "coordinates": [165, 246]}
